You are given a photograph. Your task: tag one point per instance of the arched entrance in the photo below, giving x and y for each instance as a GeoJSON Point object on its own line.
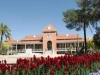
{"type": "Point", "coordinates": [49, 45]}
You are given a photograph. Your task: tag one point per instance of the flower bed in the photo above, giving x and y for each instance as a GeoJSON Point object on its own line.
{"type": "Point", "coordinates": [86, 64]}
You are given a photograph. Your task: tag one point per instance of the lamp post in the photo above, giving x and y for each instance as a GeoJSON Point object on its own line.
{"type": "Point", "coordinates": [77, 46]}
{"type": "Point", "coordinates": [65, 44]}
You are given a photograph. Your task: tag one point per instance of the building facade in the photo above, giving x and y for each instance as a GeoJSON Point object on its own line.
{"type": "Point", "coordinates": [50, 40]}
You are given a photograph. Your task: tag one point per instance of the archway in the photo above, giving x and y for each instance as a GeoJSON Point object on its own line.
{"type": "Point", "coordinates": [49, 45]}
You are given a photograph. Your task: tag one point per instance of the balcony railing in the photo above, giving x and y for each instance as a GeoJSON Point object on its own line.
{"type": "Point", "coordinates": [66, 49]}
{"type": "Point", "coordinates": [37, 50]}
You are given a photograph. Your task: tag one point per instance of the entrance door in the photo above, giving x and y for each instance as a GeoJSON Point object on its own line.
{"type": "Point", "coordinates": [49, 45]}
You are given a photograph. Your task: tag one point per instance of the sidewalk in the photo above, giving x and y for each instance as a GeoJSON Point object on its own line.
{"type": "Point", "coordinates": [11, 59]}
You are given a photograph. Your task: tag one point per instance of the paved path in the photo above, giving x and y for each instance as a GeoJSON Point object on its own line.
{"type": "Point", "coordinates": [12, 58]}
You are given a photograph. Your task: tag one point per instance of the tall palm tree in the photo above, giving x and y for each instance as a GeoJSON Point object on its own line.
{"type": "Point", "coordinates": [80, 18]}
{"type": "Point", "coordinates": [4, 31]}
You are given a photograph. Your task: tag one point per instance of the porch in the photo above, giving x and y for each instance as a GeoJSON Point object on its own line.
{"type": "Point", "coordinates": [61, 48]}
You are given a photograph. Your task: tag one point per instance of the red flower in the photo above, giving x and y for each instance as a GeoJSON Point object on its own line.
{"type": "Point", "coordinates": [10, 71]}
{"type": "Point", "coordinates": [34, 58]}
{"type": "Point", "coordinates": [64, 72]}
{"type": "Point", "coordinates": [33, 66]}
{"type": "Point", "coordinates": [8, 67]}
{"type": "Point", "coordinates": [4, 69]}
{"type": "Point", "coordinates": [21, 65]}
{"type": "Point", "coordinates": [26, 69]}
{"type": "Point", "coordinates": [17, 68]}
{"type": "Point", "coordinates": [12, 67]}
{"type": "Point", "coordinates": [5, 61]}
{"type": "Point", "coordinates": [66, 69]}
{"type": "Point", "coordinates": [46, 74]}
{"type": "Point", "coordinates": [52, 73]}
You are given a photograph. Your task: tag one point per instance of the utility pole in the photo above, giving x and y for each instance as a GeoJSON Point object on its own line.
{"type": "Point", "coordinates": [77, 46]}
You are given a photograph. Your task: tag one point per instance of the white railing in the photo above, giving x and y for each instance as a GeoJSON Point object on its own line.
{"type": "Point", "coordinates": [37, 50]}
{"type": "Point", "coordinates": [21, 51]}
{"type": "Point", "coordinates": [66, 49]}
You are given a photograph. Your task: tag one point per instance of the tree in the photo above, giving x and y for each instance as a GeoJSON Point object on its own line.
{"type": "Point", "coordinates": [96, 37]}
{"type": "Point", "coordinates": [90, 44]}
{"type": "Point", "coordinates": [95, 12]}
{"type": "Point", "coordinates": [80, 18]}
{"type": "Point", "coordinates": [5, 46]}
{"type": "Point", "coordinates": [88, 14]}
{"type": "Point", "coordinates": [4, 31]}
{"type": "Point", "coordinates": [96, 3]}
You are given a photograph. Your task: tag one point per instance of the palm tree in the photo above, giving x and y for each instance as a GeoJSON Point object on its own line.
{"type": "Point", "coordinates": [80, 18]}
{"type": "Point", "coordinates": [4, 31]}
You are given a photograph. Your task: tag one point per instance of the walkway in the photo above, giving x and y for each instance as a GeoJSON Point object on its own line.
{"type": "Point", "coordinates": [12, 58]}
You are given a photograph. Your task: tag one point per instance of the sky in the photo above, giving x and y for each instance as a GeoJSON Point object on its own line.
{"type": "Point", "coordinates": [30, 17]}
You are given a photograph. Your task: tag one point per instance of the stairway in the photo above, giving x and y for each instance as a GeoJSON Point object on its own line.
{"type": "Point", "coordinates": [49, 52]}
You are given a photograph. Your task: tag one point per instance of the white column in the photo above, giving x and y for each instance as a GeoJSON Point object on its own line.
{"type": "Point", "coordinates": [11, 50]}
{"type": "Point", "coordinates": [7, 50]}
{"type": "Point", "coordinates": [16, 47]}
{"type": "Point", "coordinates": [78, 44]}
{"type": "Point", "coordinates": [75, 46]}
{"type": "Point", "coordinates": [53, 52]}
{"type": "Point", "coordinates": [65, 45]}
{"type": "Point", "coordinates": [34, 46]}
{"type": "Point", "coordinates": [25, 46]}
{"type": "Point", "coordinates": [83, 43]}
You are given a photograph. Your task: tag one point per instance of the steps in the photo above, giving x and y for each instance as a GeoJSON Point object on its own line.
{"type": "Point", "coordinates": [48, 52]}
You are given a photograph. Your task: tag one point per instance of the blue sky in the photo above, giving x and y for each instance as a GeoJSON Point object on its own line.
{"type": "Point", "coordinates": [29, 17]}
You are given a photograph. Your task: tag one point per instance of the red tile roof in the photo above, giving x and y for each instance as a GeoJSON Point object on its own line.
{"type": "Point", "coordinates": [37, 38]}
{"type": "Point", "coordinates": [67, 41]}
{"type": "Point", "coordinates": [67, 36]}
{"type": "Point", "coordinates": [24, 42]}
{"type": "Point", "coordinates": [32, 37]}
{"type": "Point", "coordinates": [49, 28]}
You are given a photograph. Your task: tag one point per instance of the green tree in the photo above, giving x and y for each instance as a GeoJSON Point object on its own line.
{"type": "Point", "coordinates": [5, 46]}
{"type": "Point", "coordinates": [80, 18]}
{"type": "Point", "coordinates": [96, 37]}
{"type": "Point", "coordinates": [4, 31]}
{"type": "Point", "coordinates": [95, 12]}
{"type": "Point", "coordinates": [90, 44]}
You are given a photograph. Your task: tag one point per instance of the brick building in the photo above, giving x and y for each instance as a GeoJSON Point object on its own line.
{"type": "Point", "coordinates": [48, 41]}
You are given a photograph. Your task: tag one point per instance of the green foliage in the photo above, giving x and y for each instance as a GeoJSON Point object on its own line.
{"type": "Point", "coordinates": [83, 3]}
{"type": "Point", "coordinates": [96, 3]}
{"type": "Point", "coordinates": [90, 44]}
{"type": "Point", "coordinates": [70, 17]}
{"type": "Point", "coordinates": [87, 14]}
{"type": "Point", "coordinates": [75, 19]}
{"type": "Point", "coordinates": [4, 31]}
{"type": "Point", "coordinates": [5, 47]}
{"type": "Point", "coordinates": [96, 38]}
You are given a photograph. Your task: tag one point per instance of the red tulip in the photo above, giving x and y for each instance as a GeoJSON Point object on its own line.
{"type": "Point", "coordinates": [26, 69]}
{"type": "Point", "coordinates": [10, 71]}
{"type": "Point", "coordinates": [4, 69]}
{"type": "Point", "coordinates": [5, 61]}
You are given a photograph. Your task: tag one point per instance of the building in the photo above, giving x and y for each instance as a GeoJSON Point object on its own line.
{"type": "Point", "coordinates": [50, 40]}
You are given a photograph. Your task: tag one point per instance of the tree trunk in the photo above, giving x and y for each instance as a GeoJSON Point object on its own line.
{"type": "Point", "coordinates": [1, 44]}
{"type": "Point", "coordinates": [85, 37]}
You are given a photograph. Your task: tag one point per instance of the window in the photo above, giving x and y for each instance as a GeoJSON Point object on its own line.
{"type": "Point", "coordinates": [47, 36]}
{"type": "Point", "coordinates": [49, 27]}
{"type": "Point", "coordinates": [50, 36]}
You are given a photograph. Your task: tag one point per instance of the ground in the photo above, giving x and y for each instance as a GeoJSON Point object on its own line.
{"type": "Point", "coordinates": [12, 58]}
